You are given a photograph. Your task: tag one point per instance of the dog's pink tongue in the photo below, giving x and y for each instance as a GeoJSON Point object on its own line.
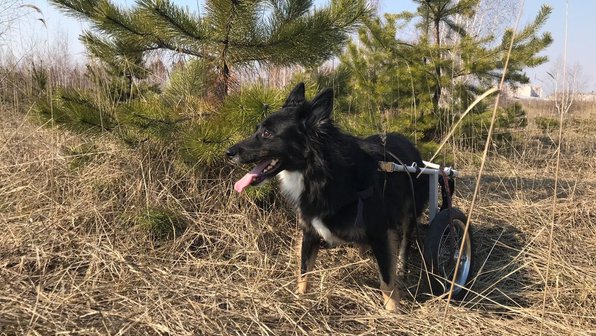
{"type": "Point", "coordinates": [244, 182]}
{"type": "Point", "coordinates": [247, 179]}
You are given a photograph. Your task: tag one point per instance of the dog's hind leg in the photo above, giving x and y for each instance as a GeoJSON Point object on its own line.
{"type": "Point", "coordinates": [308, 248]}
{"type": "Point", "coordinates": [407, 225]}
{"type": "Point", "coordinates": [385, 249]}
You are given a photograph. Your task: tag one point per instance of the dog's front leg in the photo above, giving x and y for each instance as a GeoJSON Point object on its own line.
{"type": "Point", "coordinates": [384, 249]}
{"type": "Point", "coordinates": [308, 248]}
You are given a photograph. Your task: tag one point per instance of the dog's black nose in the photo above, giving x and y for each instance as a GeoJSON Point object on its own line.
{"type": "Point", "coordinates": [231, 152]}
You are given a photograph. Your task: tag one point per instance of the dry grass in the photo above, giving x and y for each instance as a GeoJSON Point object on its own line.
{"type": "Point", "coordinates": [74, 260]}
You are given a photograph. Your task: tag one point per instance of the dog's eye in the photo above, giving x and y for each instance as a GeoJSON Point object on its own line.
{"type": "Point", "coordinates": [266, 134]}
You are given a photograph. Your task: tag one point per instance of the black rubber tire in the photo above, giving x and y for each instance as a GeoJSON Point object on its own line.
{"type": "Point", "coordinates": [438, 235]}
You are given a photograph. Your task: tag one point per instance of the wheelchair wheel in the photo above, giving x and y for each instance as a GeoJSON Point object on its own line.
{"type": "Point", "coordinates": [441, 250]}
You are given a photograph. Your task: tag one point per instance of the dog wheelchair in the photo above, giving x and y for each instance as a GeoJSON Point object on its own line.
{"type": "Point", "coordinates": [444, 253]}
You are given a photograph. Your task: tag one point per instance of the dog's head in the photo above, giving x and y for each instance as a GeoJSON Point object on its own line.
{"type": "Point", "coordinates": [280, 141]}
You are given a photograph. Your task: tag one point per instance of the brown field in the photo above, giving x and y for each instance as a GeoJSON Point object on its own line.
{"type": "Point", "coordinates": [74, 259]}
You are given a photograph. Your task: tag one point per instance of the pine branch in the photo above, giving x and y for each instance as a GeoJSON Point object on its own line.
{"type": "Point", "coordinates": [80, 9]}
{"type": "Point", "coordinates": [288, 10]}
{"type": "Point", "coordinates": [299, 41]}
{"type": "Point", "coordinates": [172, 21]}
{"type": "Point", "coordinates": [161, 121]}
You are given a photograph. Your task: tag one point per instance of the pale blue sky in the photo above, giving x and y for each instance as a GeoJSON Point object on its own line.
{"type": "Point", "coordinates": [28, 34]}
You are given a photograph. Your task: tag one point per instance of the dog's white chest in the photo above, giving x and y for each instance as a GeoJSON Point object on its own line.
{"type": "Point", "coordinates": [292, 184]}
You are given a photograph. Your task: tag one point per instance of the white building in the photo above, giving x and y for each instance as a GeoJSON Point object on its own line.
{"type": "Point", "coordinates": [528, 91]}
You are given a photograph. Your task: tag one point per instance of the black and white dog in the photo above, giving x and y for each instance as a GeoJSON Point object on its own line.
{"type": "Point", "coordinates": [334, 181]}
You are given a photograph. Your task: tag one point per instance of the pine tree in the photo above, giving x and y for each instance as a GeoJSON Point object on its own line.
{"type": "Point", "coordinates": [230, 35]}
{"type": "Point", "coordinates": [396, 73]}
{"type": "Point", "coordinates": [435, 14]}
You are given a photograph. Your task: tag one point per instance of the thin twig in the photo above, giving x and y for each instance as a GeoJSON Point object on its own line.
{"type": "Point", "coordinates": [554, 204]}
{"type": "Point", "coordinates": [484, 155]}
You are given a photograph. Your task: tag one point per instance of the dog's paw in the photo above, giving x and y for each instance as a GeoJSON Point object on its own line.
{"type": "Point", "coordinates": [392, 301]}
{"type": "Point", "coordinates": [392, 305]}
{"type": "Point", "coordinates": [302, 287]}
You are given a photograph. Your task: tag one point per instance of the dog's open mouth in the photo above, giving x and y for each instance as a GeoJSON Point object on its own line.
{"type": "Point", "coordinates": [264, 170]}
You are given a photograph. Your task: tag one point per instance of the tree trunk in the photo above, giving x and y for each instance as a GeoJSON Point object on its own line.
{"type": "Point", "coordinates": [437, 93]}
{"type": "Point", "coordinates": [223, 80]}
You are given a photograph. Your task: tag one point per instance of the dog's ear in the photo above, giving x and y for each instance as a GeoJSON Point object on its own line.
{"type": "Point", "coordinates": [296, 96]}
{"type": "Point", "coordinates": [322, 105]}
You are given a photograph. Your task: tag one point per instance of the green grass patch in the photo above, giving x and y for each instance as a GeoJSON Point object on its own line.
{"type": "Point", "coordinates": [160, 223]}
